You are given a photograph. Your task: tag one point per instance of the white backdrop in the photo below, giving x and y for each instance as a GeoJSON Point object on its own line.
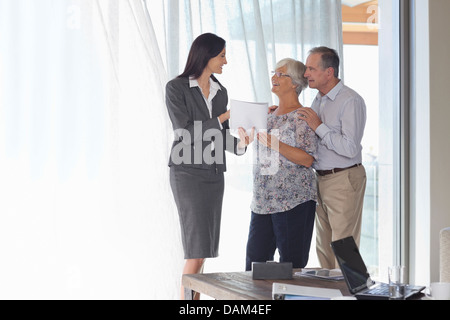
{"type": "Point", "coordinates": [86, 210]}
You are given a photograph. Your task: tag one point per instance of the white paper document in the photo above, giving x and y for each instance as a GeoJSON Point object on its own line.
{"type": "Point", "coordinates": [248, 115]}
{"type": "Point", "coordinates": [282, 291]}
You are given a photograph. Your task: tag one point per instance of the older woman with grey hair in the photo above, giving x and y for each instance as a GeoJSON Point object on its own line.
{"type": "Point", "coordinates": [284, 200]}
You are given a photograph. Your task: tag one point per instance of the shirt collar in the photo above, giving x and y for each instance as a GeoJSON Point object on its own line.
{"type": "Point", "coordinates": [194, 83]}
{"type": "Point", "coordinates": [334, 92]}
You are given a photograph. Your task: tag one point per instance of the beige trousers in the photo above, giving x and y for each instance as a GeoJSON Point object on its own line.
{"type": "Point", "coordinates": [339, 211]}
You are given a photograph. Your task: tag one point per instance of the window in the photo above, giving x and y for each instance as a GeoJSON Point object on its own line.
{"type": "Point", "coordinates": [371, 67]}
{"type": "Point", "coordinates": [371, 40]}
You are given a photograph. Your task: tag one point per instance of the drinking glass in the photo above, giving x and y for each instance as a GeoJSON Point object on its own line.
{"type": "Point", "coordinates": [397, 283]}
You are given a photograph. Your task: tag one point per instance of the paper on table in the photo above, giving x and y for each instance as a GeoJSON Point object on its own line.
{"type": "Point", "coordinates": [248, 115]}
{"type": "Point", "coordinates": [326, 274]}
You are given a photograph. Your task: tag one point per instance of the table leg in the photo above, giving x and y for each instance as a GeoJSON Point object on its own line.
{"type": "Point", "coordinates": [189, 294]}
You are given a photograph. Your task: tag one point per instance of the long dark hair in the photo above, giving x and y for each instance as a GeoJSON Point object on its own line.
{"type": "Point", "coordinates": [203, 49]}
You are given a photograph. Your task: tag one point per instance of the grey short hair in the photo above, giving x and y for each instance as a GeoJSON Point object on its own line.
{"type": "Point", "coordinates": [296, 70]}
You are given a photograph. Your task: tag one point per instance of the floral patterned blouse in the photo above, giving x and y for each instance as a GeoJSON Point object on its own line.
{"type": "Point", "coordinates": [280, 185]}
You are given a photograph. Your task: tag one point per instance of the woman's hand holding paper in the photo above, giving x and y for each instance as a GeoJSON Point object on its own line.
{"type": "Point", "coordinates": [245, 138]}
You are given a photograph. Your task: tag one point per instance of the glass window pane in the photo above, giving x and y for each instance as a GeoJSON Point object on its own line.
{"type": "Point", "coordinates": [371, 67]}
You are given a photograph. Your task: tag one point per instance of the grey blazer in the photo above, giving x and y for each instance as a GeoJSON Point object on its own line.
{"type": "Point", "coordinates": [195, 130]}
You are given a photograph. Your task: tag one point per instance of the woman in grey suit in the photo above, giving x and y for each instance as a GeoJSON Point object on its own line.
{"type": "Point", "coordinates": [197, 105]}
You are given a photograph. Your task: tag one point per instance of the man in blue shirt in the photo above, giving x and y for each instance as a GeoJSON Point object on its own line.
{"type": "Point", "coordinates": [338, 116]}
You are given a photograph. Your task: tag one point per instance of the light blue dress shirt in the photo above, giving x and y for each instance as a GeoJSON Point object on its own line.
{"type": "Point", "coordinates": [343, 113]}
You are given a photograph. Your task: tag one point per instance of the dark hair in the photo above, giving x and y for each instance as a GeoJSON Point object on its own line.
{"type": "Point", "coordinates": [330, 58]}
{"type": "Point", "coordinates": [203, 49]}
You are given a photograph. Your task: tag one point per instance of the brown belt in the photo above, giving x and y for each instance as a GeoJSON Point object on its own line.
{"type": "Point", "coordinates": [335, 170]}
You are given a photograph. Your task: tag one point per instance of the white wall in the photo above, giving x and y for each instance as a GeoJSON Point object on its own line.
{"type": "Point", "coordinates": [440, 128]}
{"type": "Point", "coordinates": [431, 152]}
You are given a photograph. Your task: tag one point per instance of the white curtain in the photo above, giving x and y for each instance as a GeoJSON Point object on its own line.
{"type": "Point", "coordinates": [86, 210]}
{"type": "Point", "coordinates": [258, 33]}
{"type": "Point", "coordinates": [85, 204]}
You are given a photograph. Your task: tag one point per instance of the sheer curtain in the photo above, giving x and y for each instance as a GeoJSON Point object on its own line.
{"type": "Point", "coordinates": [258, 34]}
{"type": "Point", "coordinates": [86, 210]}
{"type": "Point", "coordinates": [85, 206]}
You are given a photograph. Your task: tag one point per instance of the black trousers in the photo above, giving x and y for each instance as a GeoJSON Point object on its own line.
{"type": "Point", "coordinates": [289, 231]}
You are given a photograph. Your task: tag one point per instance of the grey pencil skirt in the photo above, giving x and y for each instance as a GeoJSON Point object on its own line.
{"type": "Point", "coordinates": [198, 195]}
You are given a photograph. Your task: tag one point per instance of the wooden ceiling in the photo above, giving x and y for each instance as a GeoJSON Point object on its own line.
{"type": "Point", "coordinates": [360, 23]}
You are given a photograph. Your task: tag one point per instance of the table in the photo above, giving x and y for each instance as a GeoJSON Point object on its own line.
{"type": "Point", "coordinates": [241, 286]}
